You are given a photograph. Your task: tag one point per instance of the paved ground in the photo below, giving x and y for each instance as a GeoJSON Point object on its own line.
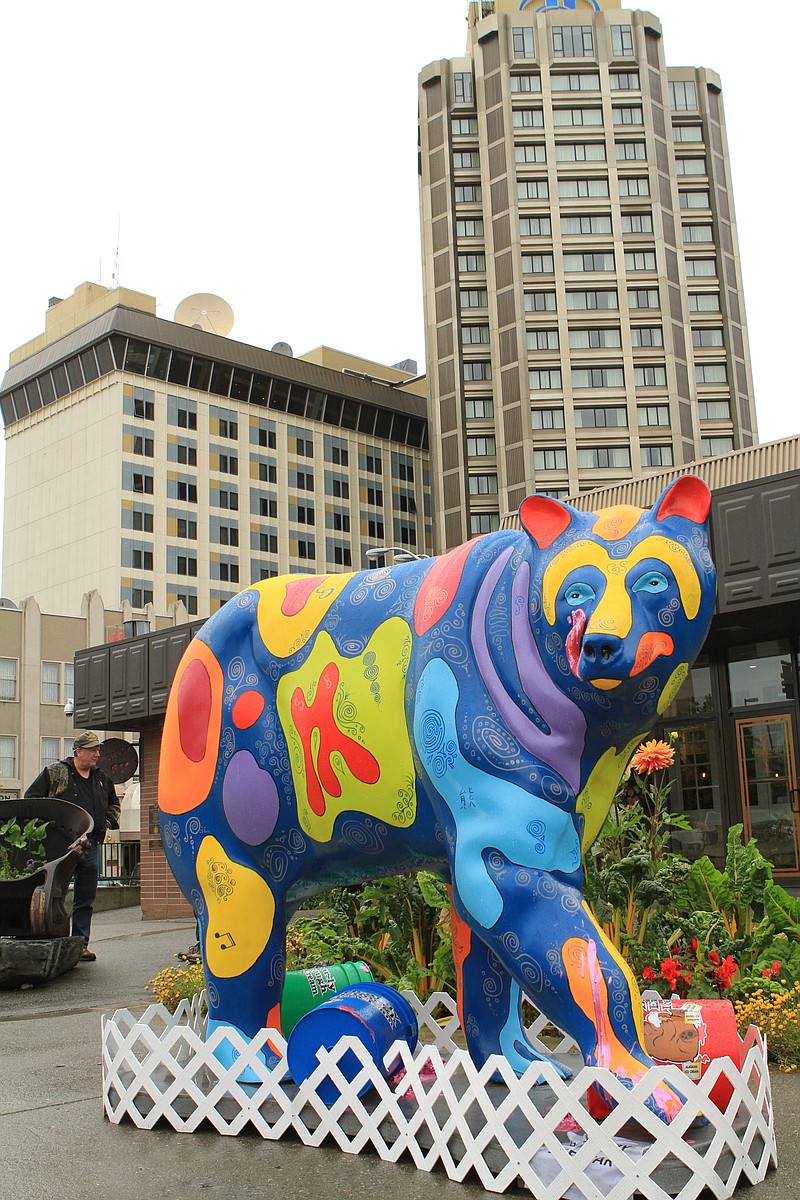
{"type": "Point", "coordinates": [55, 1141]}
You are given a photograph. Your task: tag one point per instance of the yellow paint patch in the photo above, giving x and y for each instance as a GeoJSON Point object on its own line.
{"type": "Point", "coordinates": [595, 800]}
{"type": "Point", "coordinates": [672, 687]}
{"type": "Point", "coordinates": [613, 613]}
{"type": "Point", "coordinates": [354, 753]}
{"type": "Point", "coordinates": [617, 522]}
{"type": "Point", "coordinates": [241, 911]}
{"type": "Point", "coordinates": [285, 621]}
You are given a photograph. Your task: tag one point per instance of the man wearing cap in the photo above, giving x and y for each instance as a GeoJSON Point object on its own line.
{"type": "Point", "coordinates": [80, 781]}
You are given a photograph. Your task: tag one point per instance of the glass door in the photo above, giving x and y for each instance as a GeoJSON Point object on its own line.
{"type": "Point", "coordinates": [768, 780]}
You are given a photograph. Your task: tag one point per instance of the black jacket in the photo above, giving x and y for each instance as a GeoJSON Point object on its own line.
{"type": "Point", "coordinates": [60, 781]}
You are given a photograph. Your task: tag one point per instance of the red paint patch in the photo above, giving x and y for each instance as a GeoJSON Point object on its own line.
{"type": "Point", "coordinates": [247, 709]}
{"type": "Point", "coordinates": [651, 646]}
{"type": "Point", "coordinates": [319, 716]}
{"type": "Point", "coordinates": [688, 497]}
{"type": "Point", "coordinates": [298, 592]}
{"type": "Point", "coordinates": [544, 519]}
{"type": "Point", "coordinates": [461, 944]}
{"type": "Point", "coordinates": [438, 588]}
{"type": "Point", "coordinates": [194, 710]}
{"type": "Point", "coordinates": [577, 620]}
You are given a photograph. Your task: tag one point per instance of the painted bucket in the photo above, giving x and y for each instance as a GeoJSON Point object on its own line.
{"type": "Point", "coordinates": [304, 990]}
{"type": "Point", "coordinates": [374, 1013]}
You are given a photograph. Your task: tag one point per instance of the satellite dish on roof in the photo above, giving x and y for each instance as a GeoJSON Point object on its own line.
{"type": "Point", "coordinates": [283, 348]}
{"type": "Point", "coordinates": [205, 311]}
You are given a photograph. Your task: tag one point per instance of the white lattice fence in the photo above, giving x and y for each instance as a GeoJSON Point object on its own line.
{"type": "Point", "coordinates": [441, 1110]}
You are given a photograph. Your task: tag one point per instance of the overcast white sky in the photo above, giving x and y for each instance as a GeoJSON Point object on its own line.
{"type": "Point", "coordinates": [268, 153]}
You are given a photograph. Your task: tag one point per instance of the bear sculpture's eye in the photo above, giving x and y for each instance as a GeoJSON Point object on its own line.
{"type": "Point", "coordinates": [579, 593]}
{"type": "Point", "coordinates": [651, 582]}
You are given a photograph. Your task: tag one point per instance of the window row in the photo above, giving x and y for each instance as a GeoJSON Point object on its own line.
{"type": "Point", "coordinates": [572, 41]}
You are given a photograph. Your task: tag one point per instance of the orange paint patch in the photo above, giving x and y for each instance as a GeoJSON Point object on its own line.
{"type": "Point", "coordinates": [462, 944]}
{"type": "Point", "coordinates": [617, 522]}
{"type": "Point", "coordinates": [247, 709]}
{"type": "Point", "coordinates": [590, 993]}
{"type": "Point", "coordinates": [190, 741]}
{"type": "Point", "coordinates": [651, 646]}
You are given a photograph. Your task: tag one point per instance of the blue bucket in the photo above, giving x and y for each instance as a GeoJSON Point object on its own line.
{"type": "Point", "coordinates": [372, 1012]}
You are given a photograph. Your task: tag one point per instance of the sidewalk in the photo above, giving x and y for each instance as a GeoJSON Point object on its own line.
{"type": "Point", "coordinates": [55, 1140]}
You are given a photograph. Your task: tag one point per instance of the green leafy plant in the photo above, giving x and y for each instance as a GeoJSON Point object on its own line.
{"type": "Point", "coordinates": [22, 847]}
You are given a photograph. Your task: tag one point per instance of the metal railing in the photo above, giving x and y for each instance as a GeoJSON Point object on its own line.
{"type": "Point", "coordinates": [119, 863]}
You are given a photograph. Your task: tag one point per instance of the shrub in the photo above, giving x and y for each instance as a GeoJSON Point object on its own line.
{"type": "Point", "coordinates": [777, 1015]}
{"type": "Point", "coordinates": [174, 984]}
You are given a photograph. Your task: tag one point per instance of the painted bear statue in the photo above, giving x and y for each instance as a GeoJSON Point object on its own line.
{"type": "Point", "coordinates": [470, 714]}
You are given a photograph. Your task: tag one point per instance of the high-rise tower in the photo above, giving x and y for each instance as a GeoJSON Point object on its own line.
{"type": "Point", "coordinates": [583, 296]}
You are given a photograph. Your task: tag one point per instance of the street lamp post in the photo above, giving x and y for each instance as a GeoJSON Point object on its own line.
{"type": "Point", "coordinates": [400, 554]}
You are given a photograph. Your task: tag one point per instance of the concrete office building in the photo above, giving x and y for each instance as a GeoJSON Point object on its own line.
{"type": "Point", "coordinates": [158, 463]}
{"type": "Point", "coordinates": [583, 297]}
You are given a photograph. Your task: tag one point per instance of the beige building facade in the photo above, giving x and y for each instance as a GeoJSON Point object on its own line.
{"type": "Point", "coordinates": [159, 463]}
{"type": "Point", "coordinates": [583, 297]}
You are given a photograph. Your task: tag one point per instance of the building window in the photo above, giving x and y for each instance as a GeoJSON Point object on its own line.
{"type": "Point", "coordinates": [585, 301]}
{"type": "Point", "coordinates": [185, 528]}
{"type": "Point", "coordinates": [480, 523]}
{"type": "Point", "coordinates": [186, 491]}
{"type": "Point", "coordinates": [50, 752]}
{"type": "Point", "coordinates": [643, 298]}
{"type": "Point", "coordinates": [373, 463]}
{"type": "Point", "coordinates": [8, 757]}
{"type": "Point", "coordinates": [590, 339]}
{"type": "Point", "coordinates": [637, 222]}
{"type": "Point", "coordinates": [624, 81]}
{"type": "Point", "coordinates": [550, 460]}
{"type": "Point", "coordinates": [575, 81]}
{"type": "Point", "coordinates": [462, 87]}
{"type": "Point", "coordinates": [186, 419]}
{"type": "Point", "coordinates": [628, 114]}
{"type": "Point", "coordinates": [228, 535]}
{"type": "Point", "coordinates": [139, 597]}
{"type": "Point", "coordinates": [712, 446]}
{"type": "Point", "coordinates": [51, 683]}
{"type": "Point", "coordinates": [479, 410]}
{"type": "Point", "coordinates": [306, 548]}
{"type": "Point", "coordinates": [580, 152]}
{"type": "Point", "coordinates": [339, 455]}
{"type": "Point", "coordinates": [707, 337]}
{"type": "Point", "coordinates": [374, 495]}
{"type": "Point", "coordinates": [143, 408]}
{"type": "Point", "coordinates": [532, 189]}
{"type": "Point", "coordinates": [481, 447]}
{"type": "Point", "coordinates": [228, 464]}
{"type": "Point", "coordinates": [634, 187]}
{"type": "Point", "coordinates": [704, 302]}
{"type": "Point", "coordinates": [574, 226]}
{"type": "Point", "coordinates": [653, 376]}
{"type": "Point", "coordinates": [483, 485]}
{"type": "Point", "coordinates": [474, 335]}
{"type": "Point", "coordinates": [468, 193]}
{"type": "Point", "coordinates": [266, 437]}
{"type": "Point", "coordinates": [471, 262]}
{"type": "Point", "coordinates": [185, 564]}
{"type": "Point", "coordinates": [714, 410]}
{"type": "Point", "coordinates": [473, 297]}
{"type": "Point", "coordinates": [229, 572]}
{"type": "Point", "coordinates": [569, 189]}
{"type": "Point", "coordinates": [340, 488]}
{"type": "Point", "coordinates": [682, 96]}
{"type": "Point", "coordinates": [601, 458]}
{"type": "Point", "coordinates": [342, 556]}
{"type": "Point", "coordinates": [697, 268]}
{"type": "Point", "coordinates": [143, 446]}
{"type": "Point", "coordinates": [690, 166]}
{"type": "Point", "coordinates": [572, 41]}
{"type": "Point", "coordinates": [543, 339]}
{"type": "Point", "coordinates": [229, 499]}
{"type": "Point", "coordinates": [577, 117]}
{"type": "Point", "coordinates": [647, 335]}
{"type": "Point", "coordinates": [305, 514]}
{"type": "Point", "coordinates": [589, 262]}
{"type": "Point", "coordinates": [652, 414]}
{"type": "Point", "coordinates": [228, 428]}
{"type": "Point", "coordinates": [657, 456]}
{"type": "Point", "coordinates": [711, 373]}
{"type": "Point", "coordinates": [640, 260]}
{"type": "Point", "coordinates": [186, 455]}
{"type": "Point", "coordinates": [375, 527]}
{"type": "Point", "coordinates": [8, 679]}
{"type": "Point", "coordinates": [547, 418]}
{"type": "Point", "coordinates": [268, 543]}
{"type": "Point", "coordinates": [532, 153]}
{"type": "Point", "coordinates": [545, 379]}
{"type": "Point", "coordinates": [341, 522]}
{"type": "Point", "coordinates": [522, 42]}
{"type": "Point", "coordinates": [304, 447]}
{"type": "Point", "coordinates": [466, 160]}
{"type": "Point", "coordinates": [527, 118]}
{"type": "Point", "coordinates": [524, 84]}
{"type": "Point", "coordinates": [698, 199]}
{"type": "Point", "coordinates": [537, 264]}
{"type": "Point", "coordinates": [464, 126]}
{"type": "Point", "coordinates": [601, 418]}
{"type": "Point", "coordinates": [621, 41]}
{"type": "Point", "coordinates": [630, 152]}
{"type": "Point", "coordinates": [143, 483]}
{"type": "Point", "coordinates": [469, 227]}
{"type": "Point", "coordinates": [141, 560]}
{"type": "Point", "coordinates": [540, 302]}
{"type": "Point", "coordinates": [598, 377]}
{"type": "Point", "coordinates": [687, 133]}
{"type": "Point", "coordinates": [267, 473]}
{"type": "Point", "coordinates": [267, 507]}
{"type": "Point", "coordinates": [304, 480]}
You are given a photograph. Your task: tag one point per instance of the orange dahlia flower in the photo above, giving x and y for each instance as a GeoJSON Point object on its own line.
{"type": "Point", "coordinates": [652, 756]}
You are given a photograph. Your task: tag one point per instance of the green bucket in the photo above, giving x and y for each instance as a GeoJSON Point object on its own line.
{"type": "Point", "coordinates": [304, 990]}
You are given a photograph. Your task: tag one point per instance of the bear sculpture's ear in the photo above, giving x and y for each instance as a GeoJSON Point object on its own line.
{"type": "Point", "coordinates": [687, 497]}
{"type": "Point", "coordinates": [544, 519]}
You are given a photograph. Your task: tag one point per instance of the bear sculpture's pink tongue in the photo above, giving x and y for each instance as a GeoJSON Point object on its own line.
{"type": "Point", "coordinates": [574, 638]}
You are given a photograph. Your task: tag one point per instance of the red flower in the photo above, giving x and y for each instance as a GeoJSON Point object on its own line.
{"type": "Point", "coordinates": [649, 974]}
{"type": "Point", "coordinates": [713, 958]}
{"type": "Point", "coordinates": [725, 972]}
{"type": "Point", "coordinates": [693, 944]}
{"type": "Point", "coordinates": [773, 971]}
{"type": "Point", "coordinates": [652, 756]}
